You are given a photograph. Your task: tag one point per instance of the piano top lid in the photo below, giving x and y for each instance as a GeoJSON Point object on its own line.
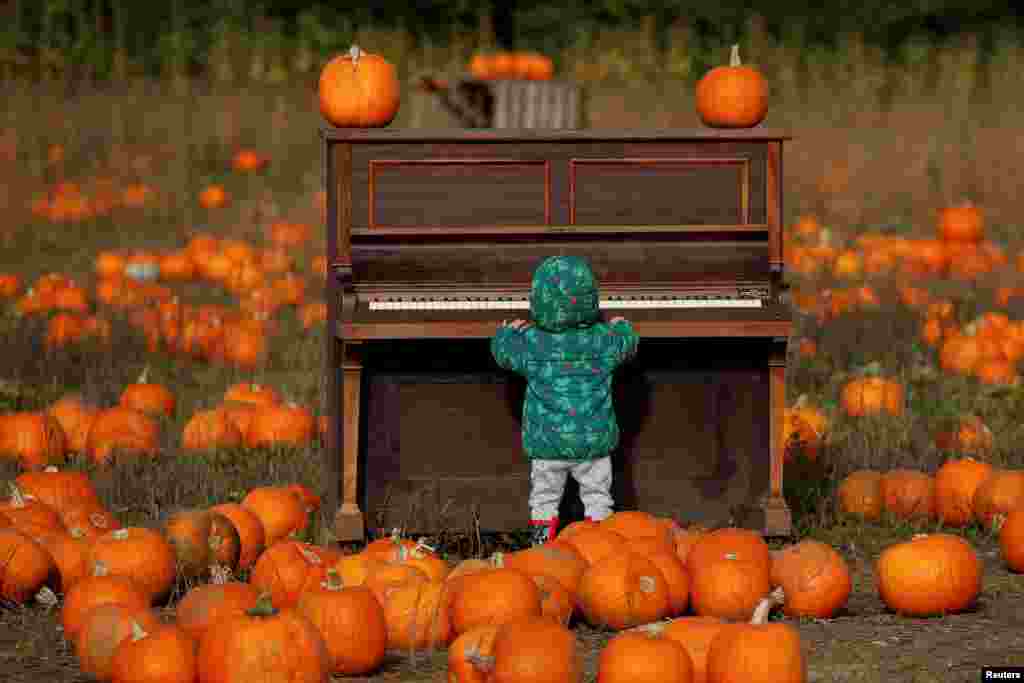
{"type": "Point", "coordinates": [330, 133]}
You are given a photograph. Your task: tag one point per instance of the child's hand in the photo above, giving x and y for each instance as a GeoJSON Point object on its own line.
{"type": "Point", "coordinates": [615, 319]}
{"type": "Point", "coordinates": [518, 324]}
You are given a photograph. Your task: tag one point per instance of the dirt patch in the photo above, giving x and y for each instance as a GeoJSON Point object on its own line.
{"type": "Point", "coordinates": [864, 643]}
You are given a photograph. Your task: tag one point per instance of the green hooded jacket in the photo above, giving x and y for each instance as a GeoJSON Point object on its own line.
{"type": "Point", "coordinates": [568, 357]}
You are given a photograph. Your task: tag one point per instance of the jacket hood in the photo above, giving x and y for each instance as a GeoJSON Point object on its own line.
{"type": "Point", "coordinates": [564, 294]}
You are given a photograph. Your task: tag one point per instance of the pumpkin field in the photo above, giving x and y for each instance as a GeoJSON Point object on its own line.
{"type": "Point", "coordinates": [162, 321]}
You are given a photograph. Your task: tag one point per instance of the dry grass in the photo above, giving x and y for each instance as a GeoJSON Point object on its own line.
{"type": "Point", "coordinates": [874, 148]}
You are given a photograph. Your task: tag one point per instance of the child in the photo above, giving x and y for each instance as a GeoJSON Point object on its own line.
{"type": "Point", "coordinates": [568, 359]}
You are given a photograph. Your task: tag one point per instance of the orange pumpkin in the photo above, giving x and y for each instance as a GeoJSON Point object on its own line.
{"type": "Point", "coordinates": [351, 621]}
{"type": "Point", "coordinates": [814, 577]}
{"type": "Point", "coordinates": [1011, 540]}
{"type": "Point", "coordinates": [644, 655]}
{"type": "Point", "coordinates": [148, 397]}
{"type": "Point", "coordinates": [165, 653]}
{"type": "Point", "coordinates": [99, 588]}
{"type": "Point", "coordinates": [908, 493]}
{"type": "Point", "coordinates": [493, 596]}
{"type": "Point", "coordinates": [143, 555]}
{"type": "Point", "coordinates": [1000, 493]}
{"type": "Point", "coordinates": [251, 535]}
{"type": "Point", "coordinates": [34, 438]}
{"type": "Point", "coordinates": [757, 653]}
{"type": "Point", "coordinates": [104, 628]}
{"type": "Point", "coordinates": [523, 648]}
{"type": "Point", "coordinates": [26, 566]}
{"type": "Point", "coordinates": [288, 568]}
{"type": "Point", "coordinates": [695, 634]}
{"type": "Point", "coordinates": [121, 429]}
{"type": "Point", "coordinates": [208, 603]}
{"type": "Point", "coordinates": [471, 655]}
{"type": "Point", "coordinates": [743, 544]}
{"type": "Point", "coordinates": [733, 96]}
{"type": "Point", "coordinates": [623, 590]}
{"type": "Point", "coordinates": [860, 495]}
{"type": "Point", "coordinates": [872, 396]}
{"type": "Point", "coordinates": [359, 90]}
{"type": "Point", "coordinates": [728, 588]}
{"type": "Point", "coordinates": [963, 223]}
{"type": "Point", "coordinates": [929, 574]}
{"type": "Point", "coordinates": [956, 481]}
{"type": "Point", "coordinates": [210, 430]}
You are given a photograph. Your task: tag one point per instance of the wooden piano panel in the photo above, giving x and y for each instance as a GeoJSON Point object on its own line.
{"type": "Point", "coordinates": [717, 191]}
{"type": "Point", "coordinates": [444, 434]}
{"type": "Point", "coordinates": [451, 192]}
{"type": "Point", "coordinates": [650, 261]}
{"type": "Point", "coordinates": [452, 184]}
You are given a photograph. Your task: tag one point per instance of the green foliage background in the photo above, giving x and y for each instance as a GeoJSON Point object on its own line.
{"type": "Point", "coordinates": [155, 35]}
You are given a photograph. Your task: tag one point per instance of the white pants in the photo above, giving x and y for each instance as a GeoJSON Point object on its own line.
{"type": "Point", "coordinates": [547, 484]}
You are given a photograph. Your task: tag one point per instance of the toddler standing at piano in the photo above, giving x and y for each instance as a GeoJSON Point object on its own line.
{"type": "Point", "coordinates": [568, 355]}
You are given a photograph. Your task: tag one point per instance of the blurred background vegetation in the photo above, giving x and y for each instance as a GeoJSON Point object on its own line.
{"type": "Point", "coordinates": [275, 40]}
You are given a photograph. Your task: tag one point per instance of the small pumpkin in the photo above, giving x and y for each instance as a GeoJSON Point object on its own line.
{"type": "Point", "coordinates": [956, 482]}
{"type": "Point", "coordinates": [815, 579]}
{"type": "Point", "coordinates": [644, 655]}
{"type": "Point", "coordinates": [103, 630]}
{"type": "Point", "coordinates": [536, 649]}
{"type": "Point", "coordinates": [281, 512]}
{"type": "Point", "coordinates": [729, 587]}
{"type": "Point", "coordinates": [25, 568]}
{"type": "Point", "coordinates": [733, 96]}
{"type": "Point", "coordinates": [207, 603]}
{"type": "Point", "coordinates": [359, 90]}
{"type": "Point", "coordinates": [493, 596]}
{"type": "Point", "coordinates": [164, 653]}
{"type": "Point", "coordinates": [99, 588]}
{"type": "Point", "coordinates": [287, 569]}
{"type": "Point", "coordinates": [141, 554]}
{"type": "Point", "coordinates": [1000, 493]}
{"type": "Point", "coordinates": [860, 495]}
{"type": "Point", "coordinates": [623, 590]}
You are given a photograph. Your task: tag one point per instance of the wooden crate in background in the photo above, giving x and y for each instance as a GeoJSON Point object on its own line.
{"type": "Point", "coordinates": [473, 103]}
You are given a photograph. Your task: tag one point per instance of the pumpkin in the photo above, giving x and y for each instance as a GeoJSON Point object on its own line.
{"type": "Point", "coordinates": [189, 534]}
{"type": "Point", "coordinates": [961, 224]}
{"type": "Point", "coordinates": [968, 436]}
{"type": "Point", "coordinates": [695, 634]}
{"type": "Point", "coordinates": [354, 570]}
{"type": "Point", "coordinates": [25, 568]}
{"type": "Point", "coordinates": [559, 561]}
{"type": "Point", "coordinates": [251, 536]}
{"type": "Point", "coordinates": [928, 575]}
{"type": "Point", "coordinates": [90, 519]}
{"type": "Point", "coordinates": [164, 653]}
{"type": "Point", "coordinates": [870, 395]}
{"type": "Point", "coordinates": [432, 566]}
{"type": "Point", "coordinates": [907, 494]}
{"type": "Point", "coordinates": [644, 655]}
{"type": "Point", "coordinates": [757, 653]}
{"type": "Point", "coordinates": [29, 515]}
{"type": "Point", "coordinates": [247, 160]}
{"type": "Point", "coordinates": [815, 579]}
{"type": "Point", "coordinates": [288, 568]}
{"type": "Point", "coordinates": [177, 267]}
{"type": "Point", "coordinates": [416, 614]}
{"type": "Point", "coordinates": [471, 655]}
{"type": "Point", "coordinates": [263, 644]}
{"type": "Point", "coordinates": [595, 543]}
{"type": "Point", "coordinates": [729, 587]}
{"type": "Point", "coordinates": [148, 397]}
{"type": "Point", "coordinates": [733, 96]}
{"type": "Point", "coordinates": [288, 424]}
{"type": "Point", "coordinates": [623, 590]}
{"type": "Point", "coordinates": [536, 650]}
{"type": "Point", "coordinates": [280, 511]}
{"type": "Point", "coordinates": [121, 429]}
{"type": "Point", "coordinates": [75, 417]}
{"type": "Point", "coordinates": [70, 554]}
{"type": "Point", "coordinates": [359, 90]}
{"type": "Point", "coordinates": [632, 524]}
{"type": "Point", "coordinates": [103, 629]}
{"type": "Point", "coordinates": [351, 621]}
{"type": "Point", "coordinates": [493, 596]}
{"type": "Point", "coordinates": [387, 575]}
{"type": "Point", "coordinates": [1011, 539]}
{"type": "Point", "coordinates": [210, 430]}
{"type": "Point", "coordinates": [742, 544]}
{"type": "Point", "coordinates": [860, 495]}
{"type": "Point", "coordinates": [58, 488]}
{"type": "Point", "coordinates": [388, 548]}
{"type": "Point", "coordinates": [956, 481]}
{"type": "Point", "coordinates": [1000, 493]}
{"type": "Point", "coordinates": [208, 603]}
{"type": "Point", "coordinates": [98, 588]}
{"type": "Point", "coordinates": [141, 554]}
{"type": "Point", "coordinates": [213, 197]}
{"type": "Point", "coordinates": [34, 438]}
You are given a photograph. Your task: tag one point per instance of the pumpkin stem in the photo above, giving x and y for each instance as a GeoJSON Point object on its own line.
{"type": "Point", "coordinates": [76, 533]}
{"type": "Point", "coordinates": [498, 559]}
{"type": "Point", "coordinates": [647, 584]}
{"type": "Point", "coordinates": [50, 468]}
{"type": "Point", "coordinates": [482, 663]}
{"type": "Point", "coordinates": [47, 597]}
{"type": "Point", "coordinates": [17, 497]}
{"type": "Point", "coordinates": [310, 556]}
{"type": "Point", "coordinates": [768, 602]}
{"type": "Point", "coordinates": [998, 520]}
{"type": "Point", "coordinates": [355, 53]}
{"type": "Point", "coordinates": [874, 368]}
{"type": "Point", "coordinates": [263, 608]}
{"type": "Point", "coordinates": [119, 534]}
{"type": "Point", "coordinates": [219, 574]}
{"type": "Point", "coordinates": [99, 568]}
{"type": "Point", "coordinates": [143, 376]}
{"type": "Point", "coordinates": [138, 633]}
{"type": "Point", "coordinates": [333, 581]}
{"type": "Point", "coordinates": [734, 57]}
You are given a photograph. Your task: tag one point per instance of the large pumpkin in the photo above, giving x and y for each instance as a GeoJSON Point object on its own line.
{"type": "Point", "coordinates": [359, 90]}
{"type": "Point", "coordinates": [351, 622]}
{"type": "Point", "coordinates": [757, 653]}
{"type": "Point", "coordinates": [644, 655]}
{"type": "Point", "coordinates": [955, 484]}
{"type": "Point", "coordinates": [929, 574]}
{"type": "Point", "coordinates": [623, 590]}
{"type": "Point", "coordinates": [733, 96]}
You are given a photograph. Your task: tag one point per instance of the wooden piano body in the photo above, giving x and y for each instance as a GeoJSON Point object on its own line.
{"type": "Point", "coordinates": [432, 240]}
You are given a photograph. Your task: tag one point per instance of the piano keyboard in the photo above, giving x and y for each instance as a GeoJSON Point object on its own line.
{"type": "Point", "coordinates": [520, 304]}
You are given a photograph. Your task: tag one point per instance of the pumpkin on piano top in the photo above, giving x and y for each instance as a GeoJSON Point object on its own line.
{"type": "Point", "coordinates": [733, 96]}
{"type": "Point", "coordinates": [359, 90]}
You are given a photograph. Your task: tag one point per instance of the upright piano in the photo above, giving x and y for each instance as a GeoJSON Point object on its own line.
{"type": "Point", "coordinates": [432, 239]}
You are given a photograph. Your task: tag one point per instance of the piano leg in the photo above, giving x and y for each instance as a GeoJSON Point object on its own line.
{"type": "Point", "coordinates": [777, 518]}
{"type": "Point", "coordinates": [349, 524]}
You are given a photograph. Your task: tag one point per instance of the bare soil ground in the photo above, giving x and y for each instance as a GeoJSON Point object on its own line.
{"type": "Point", "coordinates": [866, 643]}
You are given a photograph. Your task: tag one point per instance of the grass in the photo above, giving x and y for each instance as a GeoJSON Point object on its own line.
{"type": "Point", "coordinates": [875, 148]}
